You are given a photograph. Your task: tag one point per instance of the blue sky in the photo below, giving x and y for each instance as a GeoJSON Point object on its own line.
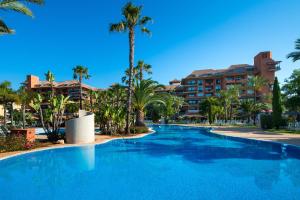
{"type": "Point", "coordinates": [187, 35]}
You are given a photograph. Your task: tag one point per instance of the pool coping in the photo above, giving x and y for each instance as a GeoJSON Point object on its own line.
{"type": "Point", "coordinates": [151, 131]}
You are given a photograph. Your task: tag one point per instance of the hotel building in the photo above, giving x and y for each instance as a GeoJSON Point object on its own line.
{"type": "Point", "coordinates": [209, 82]}
{"type": "Point", "coordinates": [69, 88]}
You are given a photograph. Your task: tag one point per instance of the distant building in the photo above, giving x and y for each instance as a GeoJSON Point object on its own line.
{"type": "Point", "coordinates": [69, 88]}
{"type": "Point", "coordinates": [209, 82]}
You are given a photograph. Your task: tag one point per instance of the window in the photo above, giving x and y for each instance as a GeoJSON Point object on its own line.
{"type": "Point", "coordinates": [192, 82]}
{"type": "Point", "coordinates": [208, 94]}
{"type": "Point", "coordinates": [218, 81]}
{"type": "Point", "coordinates": [218, 87]}
{"type": "Point", "coordinates": [200, 82]}
{"type": "Point", "coordinates": [200, 95]}
{"type": "Point", "coordinates": [191, 89]}
{"type": "Point", "coordinates": [250, 92]}
{"type": "Point", "coordinates": [229, 78]}
{"type": "Point", "coordinates": [191, 95]}
{"type": "Point", "coordinates": [192, 102]}
{"type": "Point", "coordinates": [209, 81]}
{"type": "Point", "coordinates": [238, 78]}
{"type": "Point", "coordinates": [208, 88]}
{"type": "Point", "coordinates": [200, 89]}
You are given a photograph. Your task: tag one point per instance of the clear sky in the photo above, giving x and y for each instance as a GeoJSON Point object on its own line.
{"type": "Point", "coordinates": [187, 35]}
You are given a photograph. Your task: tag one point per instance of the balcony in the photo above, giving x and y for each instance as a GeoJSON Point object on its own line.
{"type": "Point", "coordinates": [274, 68]}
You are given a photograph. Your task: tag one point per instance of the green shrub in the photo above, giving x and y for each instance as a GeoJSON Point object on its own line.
{"type": "Point", "coordinates": [14, 143]}
{"type": "Point", "coordinates": [139, 129]}
{"type": "Point", "coordinates": [266, 121]}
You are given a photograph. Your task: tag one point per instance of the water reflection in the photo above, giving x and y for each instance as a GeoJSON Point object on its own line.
{"type": "Point", "coordinates": [83, 159]}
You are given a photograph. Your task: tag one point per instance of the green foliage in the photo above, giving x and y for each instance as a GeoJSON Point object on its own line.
{"type": "Point", "coordinates": [143, 95]}
{"type": "Point", "coordinates": [111, 110]}
{"type": "Point", "coordinates": [80, 72]}
{"type": "Point", "coordinates": [172, 106]}
{"type": "Point", "coordinates": [51, 117]}
{"type": "Point", "coordinates": [7, 97]}
{"type": "Point", "coordinates": [266, 121]}
{"type": "Point", "coordinates": [296, 54]}
{"type": "Point", "coordinates": [139, 129]}
{"type": "Point", "coordinates": [14, 143]}
{"type": "Point", "coordinates": [291, 91]}
{"type": "Point", "coordinates": [132, 18]}
{"type": "Point", "coordinates": [229, 99]}
{"type": "Point", "coordinates": [210, 107]}
{"type": "Point", "coordinates": [276, 105]}
{"type": "Point", "coordinates": [17, 6]}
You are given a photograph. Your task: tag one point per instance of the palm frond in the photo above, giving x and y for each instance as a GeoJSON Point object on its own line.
{"type": "Point", "coordinates": [15, 6]}
{"type": "Point", "coordinates": [145, 30]}
{"type": "Point", "coordinates": [118, 27]}
{"type": "Point", "coordinates": [144, 20]}
{"type": "Point", "coordinates": [294, 55]}
{"type": "Point", "coordinates": [4, 28]}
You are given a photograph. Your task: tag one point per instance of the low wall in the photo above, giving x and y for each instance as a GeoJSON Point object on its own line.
{"type": "Point", "coordinates": [82, 129]}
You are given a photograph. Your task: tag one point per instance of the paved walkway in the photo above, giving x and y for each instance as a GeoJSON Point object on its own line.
{"type": "Point", "coordinates": [256, 133]}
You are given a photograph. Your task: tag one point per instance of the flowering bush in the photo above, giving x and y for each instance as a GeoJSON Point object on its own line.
{"type": "Point", "coordinates": [15, 143]}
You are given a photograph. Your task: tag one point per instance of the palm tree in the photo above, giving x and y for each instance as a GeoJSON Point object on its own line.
{"type": "Point", "coordinates": [25, 98]}
{"type": "Point", "coordinates": [132, 19]}
{"type": "Point", "coordinates": [296, 54]}
{"type": "Point", "coordinates": [210, 108]}
{"type": "Point", "coordinates": [142, 66]}
{"type": "Point", "coordinates": [134, 76]}
{"type": "Point", "coordinates": [94, 95]}
{"type": "Point", "coordinates": [7, 97]}
{"type": "Point", "coordinates": [229, 98]}
{"type": "Point", "coordinates": [247, 107]}
{"type": "Point", "coordinates": [172, 105]}
{"type": "Point", "coordinates": [50, 78]}
{"type": "Point", "coordinates": [18, 6]}
{"type": "Point", "coordinates": [144, 94]}
{"type": "Point", "coordinates": [256, 83]}
{"type": "Point", "coordinates": [81, 72]}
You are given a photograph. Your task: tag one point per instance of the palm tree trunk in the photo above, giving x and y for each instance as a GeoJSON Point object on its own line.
{"type": "Point", "coordinates": [12, 114]}
{"type": "Point", "coordinates": [52, 90]}
{"type": "Point", "coordinates": [139, 118]}
{"type": "Point", "coordinates": [23, 115]}
{"type": "Point", "coordinates": [225, 110]}
{"type": "Point", "coordinates": [4, 114]}
{"type": "Point", "coordinates": [141, 74]}
{"type": "Point", "coordinates": [254, 114]}
{"type": "Point", "coordinates": [131, 63]}
{"type": "Point", "coordinates": [80, 98]}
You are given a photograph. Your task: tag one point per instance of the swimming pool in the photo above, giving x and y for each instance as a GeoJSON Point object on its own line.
{"type": "Point", "coordinates": [173, 163]}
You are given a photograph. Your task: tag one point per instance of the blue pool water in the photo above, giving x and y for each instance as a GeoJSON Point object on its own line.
{"type": "Point", "coordinates": [173, 163]}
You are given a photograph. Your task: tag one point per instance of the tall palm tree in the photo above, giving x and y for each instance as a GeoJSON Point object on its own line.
{"type": "Point", "coordinates": [144, 94]}
{"type": "Point", "coordinates": [50, 78]}
{"type": "Point", "coordinates": [132, 18]}
{"type": "Point", "coordinates": [80, 72]}
{"type": "Point", "coordinates": [143, 67]}
{"type": "Point", "coordinates": [296, 54]}
{"type": "Point", "coordinates": [18, 6]}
